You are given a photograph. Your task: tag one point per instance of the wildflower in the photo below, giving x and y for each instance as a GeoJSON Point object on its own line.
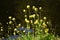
{"type": "Point", "coordinates": [31, 21]}
{"type": "Point", "coordinates": [41, 20]}
{"type": "Point", "coordinates": [40, 8]}
{"type": "Point", "coordinates": [44, 18]}
{"type": "Point", "coordinates": [46, 30]}
{"type": "Point", "coordinates": [25, 15]}
{"type": "Point", "coordinates": [7, 23]}
{"type": "Point", "coordinates": [10, 22]}
{"type": "Point", "coordinates": [47, 22]}
{"type": "Point", "coordinates": [13, 19]}
{"type": "Point", "coordinates": [28, 6]}
{"type": "Point", "coordinates": [44, 25]}
{"type": "Point", "coordinates": [19, 24]}
{"type": "Point", "coordinates": [36, 9]}
{"type": "Point", "coordinates": [23, 30]}
{"type": "Point", "coordinates": [10, 17]}
{"type": "Point", "coordinates": [14, 33]}
{"type": "Point", "coordinates": [15, 29]}
{"type": "Point", "coordinates": [26, 20]}
{"type": "Point", "coordinates": [36, 21]}
{"type": "Point", "coordinates": [33, 7]}
{"type": "Point", "coordinates": [24, 10]}
{"type": "Point", "coordinates": [28, 27]}
{"type": "Point", "coordinates": [1, 29]}
{"type": "Point", "coordinates": [32, 16]}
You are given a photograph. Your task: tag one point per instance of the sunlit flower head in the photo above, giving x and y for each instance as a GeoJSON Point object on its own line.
{"type": "Point", "coordinates": [15, 29]}
{"type": "Point", "coordinates": [13, 19]}
{"type": "Point", "coordinates": [47, 22]}
{"type": "Point", "coordinates": [33, 7]}
{"type": "Point", "coordinates": [27, 21]}
{"type": "Point", "coordinates": [28, 27]}
{"type": "Point", "coordinates": [30, 16]}
{"type": "Point", "coordinates": [7, 23]}
{"type": "Point", "coordinates": [24, 30]}
{"type": "Point", "coordinates": [36, 9]}
{"type": "Point", "coordinates": [46, 30]}
{"type": "Point", "coordinates": [36, 21]}
{"type": "Point", "coordinates": [40, 8]}
{"type": "Point", "coordinates": [28, 6]}
{"type": "Point", "coordinates": [44, 18]}
{"type": "Point", "coordinates": [10, 22]}
{"type": "Point", "coordinates": [19, 24]}
{"type": "Point", "coordinates": [41, 20]}
{"type": "Point", "coordinates": [24, 10]}
{"type": "Point", "coordinates": [44, 24]}
{"type": "Point", "coordinates": [14, 33]}
{"type": "Point", "coordinates": [33, 15]}
{"type": "Point", "coordinates": [25, 15]}
{"type": "Point", "coordinates": [1, 29]}
{"type": "Point", "coordinates": [31, 21]}
{"type": "Point", "coordinates": [10, 17]}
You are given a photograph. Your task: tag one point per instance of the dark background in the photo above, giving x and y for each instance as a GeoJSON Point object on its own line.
{"type": "Point", "coordinates": [14, 7]}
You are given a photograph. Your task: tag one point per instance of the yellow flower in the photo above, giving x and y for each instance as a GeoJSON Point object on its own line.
{"type": "Point", "coordinates": [15, 29]}
{"type": "Point", "coordinates": [32, 16]}
{"type": "Point", "coordinates": [26, 20]}
{"type": "Point", "coordinates": [13, 19]}
{"type": "Point", "coordinates": [41, 20]}
{"type": "Point", "coordinates": [1, 29]}
{"type": "Point", "coordinates": [47, 22]}
{"type": "Point", "coordinates": [28, 6]}
{"type": "Point", "coordinates": [46, 30]}
{"type": "Point", "coordinates": [44, 24]}
{"type": "Point", "coordinates": [31, 21]}
{"type": "Point", "coordinates": [40, 8]}
{"type": "Point", "coordinates": [33, 7]}
{"type": "Point", "coordinates": [36, 9]}
{"type": "Point", "coordinates": [19, 24]}
{"type": "Point", "coordinates": [28, 27]}
{"type": "Point", "coordinates": [10, 22]}
{"type": "Point", "coordinates": [14, 33]}
{"type": "Point", "coordinates": [10, 17]}
{"type": "Point", "coordinates": [24, 10]}
{"type": "Point", "coordinates": [44, 18]}
{"type": "Point", "coordinates": [36, 21]}
{"type": "Point", "coordinates": [25, 15]}
{"type": "Point", "coordinates": [23, 30]}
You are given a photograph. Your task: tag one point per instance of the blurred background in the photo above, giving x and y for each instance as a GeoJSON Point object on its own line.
{"type": "Point", "coordinates": [51, 9]}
